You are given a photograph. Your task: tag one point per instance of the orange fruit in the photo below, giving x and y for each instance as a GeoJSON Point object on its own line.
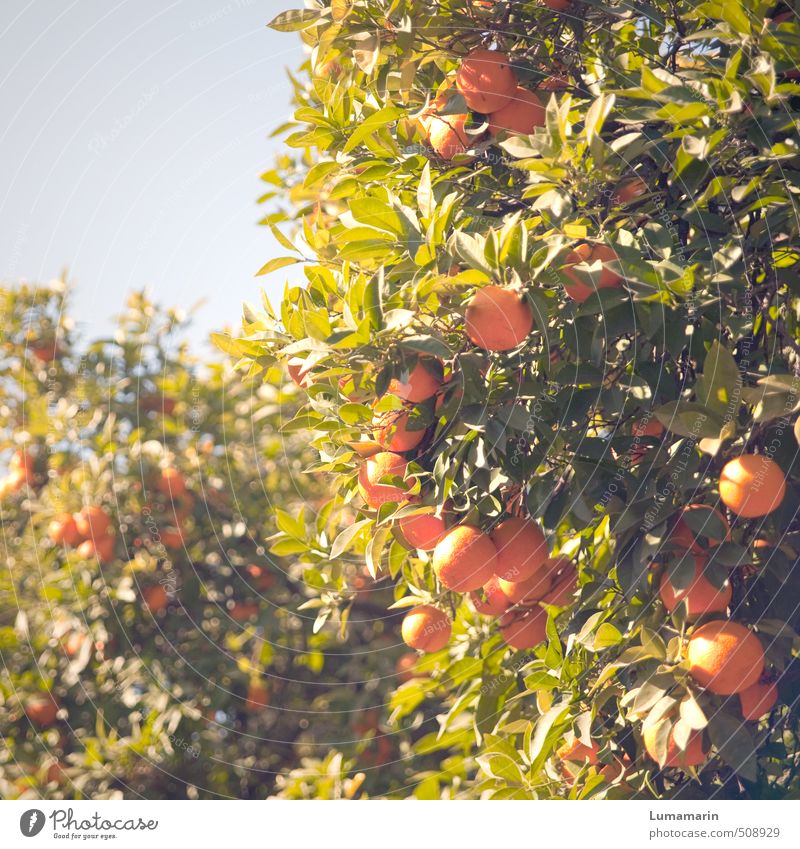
{"type": "Point", "coordinates": [528, 591]}
{"type": "Point", "coordinates": [422, 531]}
{"type": "Point", "coordinates": [573, 755]}
{"type": "Point", "coordinates": [100, 548]}
{"type": "Point", "coordinates": [490, 600]}
{"type": "Point", "coordinates": [752, 486]}
{"type": "Point", "coordinates": [684, 536]}
{"type": "Point", "coordinates": [524, 629]}
{"type": "Point", "coordinates": [574, 750]}
{"type": "Point", "coordinates": [694, 754]}
{"type": "Point", "coordinates": [630, 189]}
{"type": "Point", "coordinates": [464, 559]}
{"type": "Point", "coordinates": [521, 549]}
{"type": "Point", "coordinates": [172, 538]}
{"type": "Point", "coordinates": [92, 522]}
{"type": "Point", "coordinates": [725, 657]}
{"type": "Point", "coordinates": [379, 466]}
{"type": "Point", "coordinates": [652, 427]}
{"type": "Point", "coordinates": [563, 576]}
{"type": "Point", "coordinates": [45, 351]}
{"type": "Point", "coordinates": [556, 5]}
{"type": "Point", "coordinates": [415, 386]}
{"type": "Point", "coordinates": [406, 668]}
{"type": "Point", "coordinates": [73, 643]}
{"type": "Point", "coordinates": [758, 699]}
{"type": "Point", "coordinates": [155, 598]}
{"type": "Point", "coordinates": [521, 115]}
{"type": "Point", "coordinates": [426, 628]}
{"type": "Point", "coordinates": [241, 611]}
{"type": "Point", "coordinates": [42, 709]}
{"type": "Point", "coordinates": [591, 253]}
{"type": "Point", "coordinates": [22, 459]}
{"type": "Point", "coordinates": [261, 577]}
{"type": "Point", "coordinates": [486, 80]}
{"type": "Point", "coordinates": [498, 319]}
{"type": "Point", "coordinates": [448, 136]}
{"type": "Point", "coordinates": [171, 483]}
{"type": "Point", "coordinates": [390, 431]}
{"type": "Point", "coordinates": [257, 697]}
{"type": "Point", "coordinates": [62, 530]}
{"type": "Point", "coordinates": [700, 598]}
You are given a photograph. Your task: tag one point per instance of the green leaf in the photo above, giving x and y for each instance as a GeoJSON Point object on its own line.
{"type": "Point", "coordinates": [276, 263]}
{"type": "Point", "coordinates": [691, 420]}
{"type": "Point", "coordinates": [294, 20]}
{"type": "Point", "coordinates": [719, 387]}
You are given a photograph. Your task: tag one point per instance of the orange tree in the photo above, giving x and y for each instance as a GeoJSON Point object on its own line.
{"type": "Point", "coordinates": [151, 646]}
{"type": "Point", "coordinates": [543, 306]}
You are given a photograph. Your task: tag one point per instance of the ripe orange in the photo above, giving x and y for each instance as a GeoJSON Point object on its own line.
{"type": "Point", "coordinates": [42, 709]}
{"type": "Point", "coordinates": [490, 600]}
{"type": "Point", "coordinates": [448, 136]}
{"type": "Point", "coordinates": [22, 459]}
{"type": "Point", "coordinates": [406, 668]}
{"type": "Point", "coordinates": [390, 431]}
{"type": "Point", "coordinates": [92, 522]}
{"type": "Point", "coordinates": [498, 319]}
{"type": "Point", "coordinates": [426, 628]}
{"type": "Point", "coordinates": [464, 559]}
{"type": "Point", "coordinates": [63, 531]}
{"type": "Point", "coordinates": [630, 189]}
{"type": "Point", "coordinates": [261, 577]}
{"type": "Point", "coordinates": [653, 428]}
{"type": "Point", "coordinates": [591, 253]}
{"type": "Point", "coordinates": [521, 549]}
{"type": "Point", "coordinates": [574, 754]}
{"type": "Point", "coordinates": [699, 598]}
{"type": "Point", "coordinates": [257, 697]}
{"type": "Point", "coordinates": [422, 531]}
{"type": "Point", "coordinates": [241, 611]}
{"type": "Point", "coordinates": [683, 535]}
{"type": "Point", "coordinates": [521, 115]}
{"type": "Point", "coordinates": [752, 485]}
{"type": "Point", "coordinates": [73, 642]}
{"type": "Point", "coordinates": [172, 538]}
{"type": "Point", "coordinates": [155, 598]}
{"type": "Point", "coordinates": [486, 80]}
{"type": "Point", "coordinates": [524, 629]}
{"type": "Point", "coordinates": [725, 657]}
{"type": "Point", "coordinates": [100, 548]}
{"type": "Point", "coordinates": [171, 483]}
{"type": "Point", "coordinates": [758, 699]}
{"type": "Point", "coordinates": [300, 374]}
{"type": "Point", "coordinates": [556, 5]}
{"type": "Point", "coordinates": [46, 352]}
{"type": "Point", "coordinates": [529, 591]}
{"type": "Point", "coordinates": [694, 755]}
{"type": "Point", "coordinates": [379, 466]}
{"type": "Point", "coordinates": [415, 386]}
{"type": "Point", "coordinates": [563, 576]}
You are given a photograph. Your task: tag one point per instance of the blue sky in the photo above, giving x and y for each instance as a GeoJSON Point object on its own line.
{"type": "Point", "coordinates": [132, 138]}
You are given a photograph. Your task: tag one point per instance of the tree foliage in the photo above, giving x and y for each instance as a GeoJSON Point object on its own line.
{"type": "Point", "coordinates": [178, 663]}
{"type": "Point", "coordinates": [669, 137]}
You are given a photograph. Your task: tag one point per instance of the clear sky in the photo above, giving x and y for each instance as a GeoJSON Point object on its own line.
{"type": "Point", "coordinates": [132, 136]}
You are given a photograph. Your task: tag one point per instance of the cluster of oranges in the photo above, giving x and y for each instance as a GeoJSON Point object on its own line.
{"type": "Point", "coordinates": [489, 86]}
{"type": "Point", "coordinates": [21, 473]}
{"type": "Point", "coordinates": [89, 532]}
